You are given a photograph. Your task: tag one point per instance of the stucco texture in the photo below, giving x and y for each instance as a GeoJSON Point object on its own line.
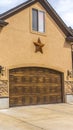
{"type": "Point", "coordinates": [17, 48]}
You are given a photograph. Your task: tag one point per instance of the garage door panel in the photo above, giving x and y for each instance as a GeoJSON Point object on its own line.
{"type": "Point", "coordinates": [55, 99]}
{"type": "Point", "coordinates": [34, 85]}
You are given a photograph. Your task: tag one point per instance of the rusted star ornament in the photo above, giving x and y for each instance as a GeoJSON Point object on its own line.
{"type": "Point", "coordinates": [38, 46]}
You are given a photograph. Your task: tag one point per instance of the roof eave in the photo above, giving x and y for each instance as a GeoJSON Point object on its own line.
{"type": "Point", "coordinates": [56, 18]}
{"type": "Point", "coordinates": [69, 39]}
{"type": "Point", "coordinates": [3, 23]}
{"type": "Point", "coordinates": [16, 9]}
{"type": "Point", "coordinates": [48, 8]}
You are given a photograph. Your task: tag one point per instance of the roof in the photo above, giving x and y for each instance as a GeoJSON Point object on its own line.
{"type": "Point", "coordinates": [47, 7]}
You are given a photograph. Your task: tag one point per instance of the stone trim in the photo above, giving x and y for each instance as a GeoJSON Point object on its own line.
{"type": "Point", "coordinates": [69, 87]}
{"type": "Point", "coordinates": [4, 89]}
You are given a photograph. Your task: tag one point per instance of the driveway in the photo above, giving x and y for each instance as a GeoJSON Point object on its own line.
{"type": "Point", "coordinates": [42, 117]}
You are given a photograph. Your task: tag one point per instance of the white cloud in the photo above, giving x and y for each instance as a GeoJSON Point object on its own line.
{"type": "Point", "coordinates": [68, 18]}
{"type": "Point", "coordinates": [8, 4]}
{"type": "Point", "coordinates": [64, 5]}
{"type": "Point", "coordinates": [5, 2]}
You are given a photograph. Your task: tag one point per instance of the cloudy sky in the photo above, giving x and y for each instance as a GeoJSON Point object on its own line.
{"type": "Point", "coordinates": [63, 7]}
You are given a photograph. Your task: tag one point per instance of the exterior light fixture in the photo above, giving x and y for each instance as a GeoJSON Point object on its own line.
{"type": "Point", "coordinates": [1, 70]}
{"type": "Point", "coordinates": [69, 74]}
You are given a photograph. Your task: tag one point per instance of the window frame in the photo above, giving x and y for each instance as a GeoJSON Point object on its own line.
{"type": "Point", "coordinates": [37, 30]}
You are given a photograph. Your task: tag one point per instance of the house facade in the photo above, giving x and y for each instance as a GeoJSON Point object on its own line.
{"type": "Point", "coordinates": [35, 55]}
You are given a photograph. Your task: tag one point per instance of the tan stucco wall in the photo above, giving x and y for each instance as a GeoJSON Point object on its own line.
{"type": "Point", "coordinates": [17, 48]}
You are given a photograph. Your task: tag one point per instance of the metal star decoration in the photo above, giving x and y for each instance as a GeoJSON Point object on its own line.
{"type": "Point", "coordinates": [38, 46]}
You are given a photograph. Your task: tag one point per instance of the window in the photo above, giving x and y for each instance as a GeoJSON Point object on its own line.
{"type": "Point", "coordinates": [38, 21]}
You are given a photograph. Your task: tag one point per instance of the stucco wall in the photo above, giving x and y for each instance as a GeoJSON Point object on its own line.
{"type": "Point", "coordinates": [17, 48]}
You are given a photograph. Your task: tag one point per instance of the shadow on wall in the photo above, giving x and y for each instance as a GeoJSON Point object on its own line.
{"type": "Point", "coordinates": [67, 44]}
{"type": "Point", "coordinates": [1, 29]}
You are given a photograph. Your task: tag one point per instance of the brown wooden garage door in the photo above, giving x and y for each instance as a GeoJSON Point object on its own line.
{"type": "Point", "coordinates": [34, 85]}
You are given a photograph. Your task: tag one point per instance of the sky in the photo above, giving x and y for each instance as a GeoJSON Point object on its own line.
{"type": "Point", "coordinates": [63, 7]}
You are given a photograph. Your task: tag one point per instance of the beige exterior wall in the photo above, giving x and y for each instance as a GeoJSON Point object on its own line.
{"type": "Point", "coordinates": [17, 48]}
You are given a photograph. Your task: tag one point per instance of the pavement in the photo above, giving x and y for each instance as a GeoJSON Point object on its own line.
{"type": "Point", "coordinates": [40, 117]}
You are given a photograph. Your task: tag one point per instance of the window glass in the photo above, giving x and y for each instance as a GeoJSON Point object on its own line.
{"type": "Point", "coordinates": [41, 21]}
{"type": "Point", "coordinates": [35, 20]}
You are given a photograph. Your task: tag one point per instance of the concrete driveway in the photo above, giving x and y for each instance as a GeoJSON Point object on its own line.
{"type": "Point", "coordinates": [42, 117]}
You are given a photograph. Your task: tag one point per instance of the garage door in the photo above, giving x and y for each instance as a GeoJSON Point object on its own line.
{"type": "Point", "coordinates": [34, 85]}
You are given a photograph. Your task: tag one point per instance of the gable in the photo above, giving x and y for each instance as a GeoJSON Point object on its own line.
{"type": "Point", "coordinates": [47, 7]}
{"type": "Point", "coordinates": [22, 21]}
